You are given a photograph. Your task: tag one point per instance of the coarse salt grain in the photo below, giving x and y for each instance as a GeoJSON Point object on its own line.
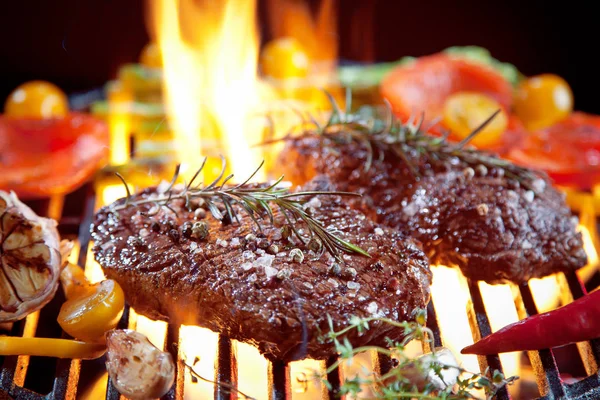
{"type": "Point", "coordinates": [372, 308]}
{"type": "Point", "coordinates": [222, 243]}
{"type": "Point", "coordinates": [247, 266]}
{"type": "Point", "coordinates": [248, 255]}
{"type": "Point", "coordinates": [314, 202]}
{"type": "Point", "coordinates": [264, 261]}
{"type": "Point", "coordinates": [379, 231]}
{"type": "Point", "coordinates": [538, 185]}
{"type": "Point", "coordinates": [353, 285]}
{"type": "Point", "coordinates": [270, 272]}
{"type": "Point", "coordinates": [529, 196]}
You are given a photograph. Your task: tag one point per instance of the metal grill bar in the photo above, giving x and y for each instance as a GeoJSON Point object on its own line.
{"type": "Point", "coordinates": [173, 346]}
{"type": "Point", "coordinates": [225, 367]}
{"type": "Point", "coordinates": [590, 351]}
{"type": "Point", "coordinates": [334, 378]}
{"type": "Point", "coordinates": [63, 384]}
{"type": "Point", "coordinates": [279, 381]}
{"type": "Point", "coordinates": [544, 365]}
{"type": "Point", "coordinates": [480, 327]}
{"type": "Point", "coordinates": [432, 324]}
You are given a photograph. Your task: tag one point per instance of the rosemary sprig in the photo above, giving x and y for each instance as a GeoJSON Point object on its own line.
{"type": "Point", "coordinates": [256, 201]}
{"type": "Point", "coordinates": [399, 382]}
{"type": "Point", "coordinates": [409, 141]}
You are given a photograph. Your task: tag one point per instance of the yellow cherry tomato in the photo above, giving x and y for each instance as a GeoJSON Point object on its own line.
{"type": "Point", "coordinates": [37, 99]}
{"type": "Point", "coordinates": [543, 100]}
{"type": "Point", "coordinates": [284, 58]}
{"type": "Point", "coordinates": [151, 56]}
{"type": "Point", "coordinates": [466, 111]}
{"type": "Point", "coordinates": [89, 315]}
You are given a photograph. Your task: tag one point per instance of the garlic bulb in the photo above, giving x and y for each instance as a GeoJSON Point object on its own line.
{"type": "Point", "coordinates": [137, 368]}
{"type": "Point", "coordinates": [30, 259]}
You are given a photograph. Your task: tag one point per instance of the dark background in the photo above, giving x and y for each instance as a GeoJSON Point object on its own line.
{"type": "Point", "coordinates": [79, 44]}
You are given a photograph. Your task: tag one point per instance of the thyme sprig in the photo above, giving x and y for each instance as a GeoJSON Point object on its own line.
{"type": "Point", "coordinates": [410, 141]}
{"type": "Point", "coordinates": [399, 382]}
{"type": "Point", "coordinates": [257, 201]}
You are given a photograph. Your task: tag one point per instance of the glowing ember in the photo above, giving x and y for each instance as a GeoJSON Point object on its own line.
{"type": "Point", "coordinates": [210, 52]}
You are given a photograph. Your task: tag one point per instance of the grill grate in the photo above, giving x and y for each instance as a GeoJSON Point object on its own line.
{"type": "Point", "coordinates": [45, 378]}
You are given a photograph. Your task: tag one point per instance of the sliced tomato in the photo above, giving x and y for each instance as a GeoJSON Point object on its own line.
{"type": "Point", "coordinates": [424, 86]}
{"type": "Point", "coordinates": [39, 158]}
{"type": "Point", "coordinates": [568, 151]}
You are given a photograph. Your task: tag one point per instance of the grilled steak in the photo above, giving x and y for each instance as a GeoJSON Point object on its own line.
{"type": "Point", "coordinates": [267, 289]}
{"type": "Point", "coordinates": [474, 217]}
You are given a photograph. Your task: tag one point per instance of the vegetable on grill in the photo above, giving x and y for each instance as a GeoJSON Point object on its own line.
{"type": "Point", "coordinates": [30, 257]}
{"type": "Point", "coordinates": [37, 100]}
{"type": "Point", "coordinates": [575, 322]}
{"type": "Point", "coordinates": [44, 157]}
{"type": "Point", "coordinates": [137, 368]}
{"type": "Point", "coordinates": [568, 151]}
{"type": "Point", "coordinates": [425, 85]}
{"type": "Point", "coordinates": [92, 311]}
{"type": "Point", "coordinates": [48, 347]}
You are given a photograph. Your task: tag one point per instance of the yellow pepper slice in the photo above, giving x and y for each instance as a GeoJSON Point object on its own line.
{"type": "Point", "coordinates": [466, 111]}
{"type": "Point", "coordinates": [91, 312]}
{"type": "Point", "coordinates": [48, 347]}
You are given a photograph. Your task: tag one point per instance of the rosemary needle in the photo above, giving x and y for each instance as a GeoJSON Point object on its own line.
{"type": "Point", "coordinates": [256, 201]}
{"type": "Point", "coordinates": [409, 142]}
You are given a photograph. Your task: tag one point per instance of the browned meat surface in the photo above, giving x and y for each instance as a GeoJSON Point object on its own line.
{"type": "Point", "coordinates": [492, 227]}
{"type": "Point", "coordinates": [262, 289]}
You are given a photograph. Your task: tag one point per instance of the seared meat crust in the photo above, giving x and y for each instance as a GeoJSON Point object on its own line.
{"type": "Point", "coordinates": [491, 227]}
{"type": "Point", "coordinates": [255, 287]}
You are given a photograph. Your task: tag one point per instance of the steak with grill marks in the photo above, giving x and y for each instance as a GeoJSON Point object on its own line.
{"type": "Point", "coordinates": [493, 228]}
{"type": "Point", "coordinates": [267, 289]}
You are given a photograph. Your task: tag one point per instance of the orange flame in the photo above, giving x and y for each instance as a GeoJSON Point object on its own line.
{"type": "Point", "coordinates": [210, 52]}
{"type": "Point", "coordinates": [318, 35]}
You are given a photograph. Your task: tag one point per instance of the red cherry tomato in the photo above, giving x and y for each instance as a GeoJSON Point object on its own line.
{"type": "Point", "coordinates": [569, 151]}
{"type": "Point", "coordinates": [425, 85]}
{"type": "Point", "coordinates": [39, 158]}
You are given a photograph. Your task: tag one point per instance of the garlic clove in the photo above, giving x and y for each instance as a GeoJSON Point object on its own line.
{"type": "Point", "coordinates": [137, 368]}
{"type": "Point", "coordinates": [30, 259]}
{"type": "Point", "coordinates": [26, 268]}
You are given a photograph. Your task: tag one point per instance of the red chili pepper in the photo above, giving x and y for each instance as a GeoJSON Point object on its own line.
{"type": "Point", "coordinates": [576, 322]}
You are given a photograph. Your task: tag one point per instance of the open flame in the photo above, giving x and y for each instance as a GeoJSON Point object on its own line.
{"type": "Point", "coordinates": [293, 19]}
{"type": "Point", "coordinates": [210, 52]}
